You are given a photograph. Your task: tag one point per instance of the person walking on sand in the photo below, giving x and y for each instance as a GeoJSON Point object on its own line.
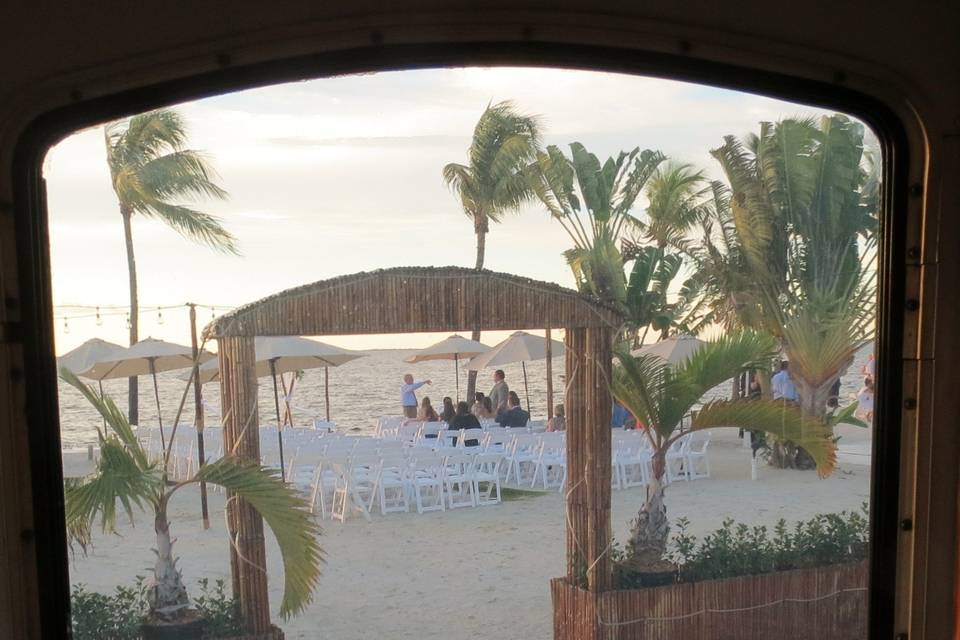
{"type": "Point", "coordinates": [408, 397]}
{"type": "Point", "coordinates": [500, 392]}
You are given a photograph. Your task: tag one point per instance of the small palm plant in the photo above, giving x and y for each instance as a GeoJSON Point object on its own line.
{"type": "Point", "coordinates": [125, 475]}
{"type": "Point", "coordinates": [660, 395]}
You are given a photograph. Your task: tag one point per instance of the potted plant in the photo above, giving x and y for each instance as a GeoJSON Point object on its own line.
{"type": "Point", "coordinates": [659, 395]}
{"type": "Point", "coordinates": [125, 474]}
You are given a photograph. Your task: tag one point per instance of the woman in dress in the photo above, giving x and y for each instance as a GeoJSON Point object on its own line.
{"type": "Point", "coordinates": [448, 412]}
{"type": "Point", "coordinates": [426, 412]}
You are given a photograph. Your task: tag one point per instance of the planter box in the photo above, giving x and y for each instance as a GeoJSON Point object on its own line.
{"type": "Point", "coordinates": [275, 633]}
{"type": "Point", "coordinates": [826, 603]}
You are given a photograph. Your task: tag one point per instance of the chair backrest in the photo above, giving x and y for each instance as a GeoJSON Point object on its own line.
{"type": "Point", "coordinates": [408, 431]}
{"type": "Point", "coordinates": [467, 435]}
{"type": "Point", "coordinates": [699, 441]}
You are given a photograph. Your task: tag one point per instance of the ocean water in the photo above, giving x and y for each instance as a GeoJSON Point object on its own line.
{"type": "Point", "coordinates": [360, 392]}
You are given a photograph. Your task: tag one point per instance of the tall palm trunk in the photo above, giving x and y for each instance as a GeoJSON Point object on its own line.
{"type": "Point", "coordinates": [481, 230]}
{"type": "Point", "coordinates": [133, 389]}
{"type": "Point", "coordinates": [648, 536]}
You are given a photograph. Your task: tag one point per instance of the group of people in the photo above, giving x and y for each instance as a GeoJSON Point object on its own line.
{"type": "Point", "coordinates": [783, 388]}
{"type": "Point", "coordinates": [501, 405]}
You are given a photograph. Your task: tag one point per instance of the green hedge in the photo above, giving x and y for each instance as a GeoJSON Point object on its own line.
{"type": "Point", "coordinates": [97, 616]}
{"type": "Point", "coordinates": [737, 549]}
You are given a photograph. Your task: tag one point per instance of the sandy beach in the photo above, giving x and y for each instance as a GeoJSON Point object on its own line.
{"type": "Point", "coordinates": [469, 573]}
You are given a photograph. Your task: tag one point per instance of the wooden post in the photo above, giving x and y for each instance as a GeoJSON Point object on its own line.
{"type": "Point", "coordinates": [549, 350]}
{"type": "Point", "coordinates": [588, 405]}
{"type": "Point", "coordinates": [241, 437]}
{"type": "Point", "coordinates": [326, 391]}
{"type": "Point", "coordinates": [198, 413]}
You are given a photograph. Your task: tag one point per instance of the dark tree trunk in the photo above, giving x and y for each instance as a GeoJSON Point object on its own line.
{"type": "Point", "coordinates": [133, 389]}
{"type": "Point", "coordinates": [481, 251]}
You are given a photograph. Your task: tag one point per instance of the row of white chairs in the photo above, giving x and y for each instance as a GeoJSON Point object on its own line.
{"type": "Point", "coordinates": [398, 480]}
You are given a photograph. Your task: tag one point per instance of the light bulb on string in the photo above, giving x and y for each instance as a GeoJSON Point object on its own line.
{"type": "Point", "coordinates": [159, 316]}
{"type": "Point", "coordinates": [66, 327]}
{"type": "Point", "coordinates": [128, 321]}
{"type": "Point", "coordinates": [99, 319]}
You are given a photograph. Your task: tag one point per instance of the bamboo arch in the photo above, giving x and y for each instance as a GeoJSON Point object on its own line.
{"type": "Point", "coordinates": [404, 300]}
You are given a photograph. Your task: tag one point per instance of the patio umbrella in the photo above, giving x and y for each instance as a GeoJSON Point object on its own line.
{"type": "Point", "coordinates": [674, 350]}
{"type": "Point", "coordinates": [453, 348]}
{"type": "Point", "coordinates": [83, 358]}
{"type": "Point", "coordinates": [520, 347]}
{"type": "Point", "coordinates": [147, 357]}
{"type": "Point", "coordinates": [284, 354]}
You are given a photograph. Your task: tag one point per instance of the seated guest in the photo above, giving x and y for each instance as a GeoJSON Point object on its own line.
{"type": "Point", "coordinates": [619, 416]}
{"type": "Point", "coordinates": [486, 410]}
{"type": "Point", "coordinates": [448, 412]}
{"type": "Point", "coordinates": [558, 422]}
{"type": "Point", "coordinates": [514, 416]}
{"type": "Point", "coordinates": [477, 407]}
{"type": "Point", "coordinates": [465, 420]}
{"type": "Point", "coordinates": [427, 413]}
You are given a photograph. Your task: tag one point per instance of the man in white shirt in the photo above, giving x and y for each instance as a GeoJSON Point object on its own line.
{"type": "Point", "coordinates": [782, 386]}
{"type": "Point", "coordinates": [407, 396]}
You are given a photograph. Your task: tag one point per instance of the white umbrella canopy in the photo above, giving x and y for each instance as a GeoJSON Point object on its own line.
{"type": "Point", "coordinates": [288, 353]}
{"type": "Point", "coordinates": [519, 347]}
{"type": "Point", "coordinates": [453, 348]}
{"type": "Point", "coordinates": [82, 359]}
{"type": "Point", "coordinates": [674, 350]}
{"type": "Point", "coordinates": [147, 357]}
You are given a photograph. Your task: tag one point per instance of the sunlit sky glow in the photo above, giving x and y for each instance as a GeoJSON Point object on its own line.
{"type": "Point", "coordinates": [340, 175]}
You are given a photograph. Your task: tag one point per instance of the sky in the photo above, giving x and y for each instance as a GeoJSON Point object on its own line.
{"type": "Point", "coordinates": [338, 175]}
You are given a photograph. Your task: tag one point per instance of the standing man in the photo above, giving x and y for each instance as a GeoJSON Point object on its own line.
{"type": "Point", "coordinates": [781, 384]}
{"type": "Point", "coordinates": [407, 396]}
{"type": "Point", "coordinates": [498, 394]}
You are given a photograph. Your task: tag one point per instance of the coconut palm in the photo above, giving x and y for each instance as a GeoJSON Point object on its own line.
{"type": "Point", "coordinates": [594, 203]}
{"type": "Point", "coordinates": [803, 207]}
{"type": "Point", "coordinates": [152, 174]}
{"type": "Point", "coordinates": [125, 478]}
{"type": "Point", "coordinates": [494, 181]}
{"type": "Point", "coordinates": [659, 396]}
{"type": "Point", "coordinates": [676, 195]}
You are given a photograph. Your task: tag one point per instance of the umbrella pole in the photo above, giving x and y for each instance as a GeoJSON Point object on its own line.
{"type": "Point", "coordinates": [100, 385]}
{"type": "Point", "coordinates": [548, 345]}
{"type": "Point", "coordinates": [326, 390]}
{"type": "Point", "coordinates": [156, 395]}
{"type": "Point", "coordinates": [456, 374]}
{"type": "Point", "coordinates": [198, 414]}
{"type": "Point", "coordinates": [526, 390]}
{"type": "Point", "coordinates": [276, 403]}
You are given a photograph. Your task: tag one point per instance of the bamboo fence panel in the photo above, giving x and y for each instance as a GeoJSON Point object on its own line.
{"type": "Point", "coordinates": [413, 300]}
{"type": "Point", "coordinates": [827, 603]}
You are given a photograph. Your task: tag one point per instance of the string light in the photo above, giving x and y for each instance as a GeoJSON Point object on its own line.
{"type": "Point", "coordinates": [66, 327]}
{"type": "Point", "coordinates": [128, 321]}
{"type": "Point", "coordinates": [159, 316]}
{"type": "Point", "coordinates": [99, 319]}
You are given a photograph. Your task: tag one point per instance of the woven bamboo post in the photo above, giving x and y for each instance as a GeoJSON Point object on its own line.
{"type": "Point", "coordinates": [549, 349]}
{"type": "Point", "coordinates": [238, 388]}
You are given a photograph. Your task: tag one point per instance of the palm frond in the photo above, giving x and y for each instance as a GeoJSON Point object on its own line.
{"type": "Point", "coordinates": [785, 421]}
{"type": "Point", "coordinates": [193, 225]}
{"type": "Point", "coordinates": [288, 515]}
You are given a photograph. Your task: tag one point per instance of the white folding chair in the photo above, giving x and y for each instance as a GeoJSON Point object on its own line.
{"type": "Point", "coordinates": [521, 458]}
{"type": "Point", "coordinates": [698, 463]}
{"type": "Point", "coordinates": [676, 460]}
{"type": "Point", "coordinates": [486, 478]}
{"type": "Point", "coordinates": [473, 436]}
{"type": "Point", "coordinates": [458, 480]}
{"type": "Point", "coordinates": [426, 482]}
{"type": "Point", "coordinates": [550, 468]}
{"type": "Point", "coordinates": [392, 484]}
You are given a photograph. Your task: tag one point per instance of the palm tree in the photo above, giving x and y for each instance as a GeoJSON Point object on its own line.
{"type": "Point", "coordinates": [803, 207]}
{"type": "Point", "coordinates": [125, 475]}
{"type": "Point", "coordinates": [659, 396]}
{"type": "Point", "coordinates": [676, 195]}
{"type": "Point", "coordinates": [151, 173]}
{"type": "Point", "coordinates": [593, 203]}
{"type": "Point", "coordinates": [495, 180]}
